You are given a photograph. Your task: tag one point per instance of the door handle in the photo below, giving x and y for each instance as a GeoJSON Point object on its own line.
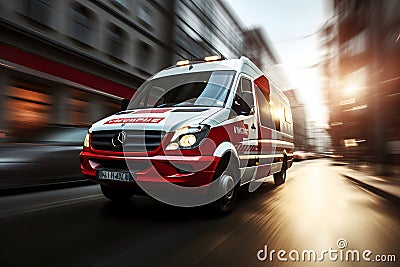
{"type": "Point", "coordinates": [253, 126]}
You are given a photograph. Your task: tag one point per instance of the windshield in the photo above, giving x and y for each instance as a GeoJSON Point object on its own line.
{"type": "Point", "coordinates": [185, 90]}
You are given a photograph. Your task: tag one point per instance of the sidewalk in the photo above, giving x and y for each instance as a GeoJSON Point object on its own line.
{"type": "Point", "coordinates": [364, 175]}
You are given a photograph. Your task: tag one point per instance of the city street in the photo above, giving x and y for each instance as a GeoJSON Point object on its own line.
{"type": "Point", "coordinates": [315, 208]}
{"type": "Point", "coordinates": [163, 94]}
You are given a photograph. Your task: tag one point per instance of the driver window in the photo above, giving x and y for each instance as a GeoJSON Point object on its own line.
{"type": "Point", "coordinates": [242, 104]}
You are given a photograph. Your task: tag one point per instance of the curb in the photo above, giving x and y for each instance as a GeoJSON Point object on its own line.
{"type": "Point", "coordinates": [374, 189]}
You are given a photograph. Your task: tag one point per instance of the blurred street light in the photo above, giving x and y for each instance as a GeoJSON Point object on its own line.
{"type": "Point", "coordinates": [351, 89]}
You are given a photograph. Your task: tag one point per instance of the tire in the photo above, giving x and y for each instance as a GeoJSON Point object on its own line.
{"type": "Point", "coordinates": [117, 194]}
{"type": "Point", "coordinates": [280, 177]}
{"type": "Point", "coordinates": [225, 204]}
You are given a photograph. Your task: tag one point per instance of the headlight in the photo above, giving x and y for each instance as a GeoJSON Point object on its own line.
{"type": "Point", "coordinates": [187, 140]}
{"type": "Point", "coordinates": [86, 143]}
{"type": "Point", "coordinates": [188, 137]}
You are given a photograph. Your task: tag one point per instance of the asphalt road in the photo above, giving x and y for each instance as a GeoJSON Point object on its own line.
{"type": "Point", "coordinates": [313, 210]}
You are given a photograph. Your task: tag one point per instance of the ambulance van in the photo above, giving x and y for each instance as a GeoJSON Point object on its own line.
{"type": "Point", "coordinates": [192, 135]}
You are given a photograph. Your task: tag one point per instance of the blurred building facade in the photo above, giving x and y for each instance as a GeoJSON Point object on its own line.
{"type": "Point", "coordinates": [299, 120]}
{"type": "Point", "coordinates": [72, 62]}
{"type": "Point", "coordinates": [206, 28]}
{"type": "Point", "coordinates": [318, 139]}
{"type": "Point", "coordinates": [258, 48]}
{"type": "Point", "coordinates": [363, 85]}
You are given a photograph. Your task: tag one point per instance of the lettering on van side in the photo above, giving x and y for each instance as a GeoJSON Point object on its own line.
{"type": "Point", "coordinates": [241, 130]}
{"type": "Point", "coordinates": [135, 120]}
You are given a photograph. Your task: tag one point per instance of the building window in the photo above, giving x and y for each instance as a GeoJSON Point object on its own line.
{"type": "Point", "coordinates": [145, 52]}
{"type": "Point", "coordinates": [78, 107]}
{"type": "Point", "coordinates": [116, 39]}
{"type": "Point", "coordinates": [81, 21]}
{"type": "Point", "coordinates": [28, 107]}
{"type": "Point", "coordinates": [145, 16]}
{"type": "Point", "coordinates": [39, 10]}
{"type": "Point", "coordinates": [83, 108]}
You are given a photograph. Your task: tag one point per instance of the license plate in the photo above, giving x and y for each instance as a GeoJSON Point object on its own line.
{"type": "Point", "coordinates": [123, 176]}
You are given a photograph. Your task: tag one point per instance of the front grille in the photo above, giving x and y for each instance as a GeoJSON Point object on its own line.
{"type": "Point", "coordinates": [136, 166]}
{"type": "Point", "coordinates": [135, 140]}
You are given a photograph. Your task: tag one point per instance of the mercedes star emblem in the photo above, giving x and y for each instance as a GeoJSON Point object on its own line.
{"type": "Point", "coordinates": [118, 139]}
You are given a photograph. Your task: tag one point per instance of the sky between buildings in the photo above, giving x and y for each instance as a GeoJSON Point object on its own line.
{"type": "Point", "coordinates": [293, 28]}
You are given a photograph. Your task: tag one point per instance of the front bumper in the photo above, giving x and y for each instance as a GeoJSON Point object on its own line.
{"type": "Point", "coordinates": [188, 171]}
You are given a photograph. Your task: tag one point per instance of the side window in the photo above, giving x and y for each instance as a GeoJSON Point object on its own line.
{"type": "Point", "coordinates": [277, 112]}
{"type": "Point", "coordinates": [246, 85]}
{"type": "Point", "coordinates": [247, 93]}
{"type": "Point", "coordinates": [264, 109]}
{"type": "Point", "coordinates": [244, 98]}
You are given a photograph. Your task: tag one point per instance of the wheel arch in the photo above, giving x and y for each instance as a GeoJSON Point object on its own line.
{"type": "Point", "coordinates": [228, 154]}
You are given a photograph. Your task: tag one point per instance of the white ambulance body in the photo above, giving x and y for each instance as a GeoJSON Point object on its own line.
{"type": "Point", "coordinates": [220, 122]}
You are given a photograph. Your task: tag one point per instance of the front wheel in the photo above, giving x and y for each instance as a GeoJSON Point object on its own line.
{"type": "Point", "coordinates": [225, 204]}
{"type": "Point", "coordinates": [117, 194]}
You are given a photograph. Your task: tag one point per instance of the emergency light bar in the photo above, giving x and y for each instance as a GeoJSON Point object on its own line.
{"type": "Point", "coordinates": [213, 58]}
{"type": "Point", "coordinates": [198, 60]}
{"type": "Point", "coordinates": [182, 63]}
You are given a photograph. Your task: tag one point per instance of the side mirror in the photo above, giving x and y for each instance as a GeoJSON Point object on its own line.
{"type": "Point", "coordinates": [124, 104]}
